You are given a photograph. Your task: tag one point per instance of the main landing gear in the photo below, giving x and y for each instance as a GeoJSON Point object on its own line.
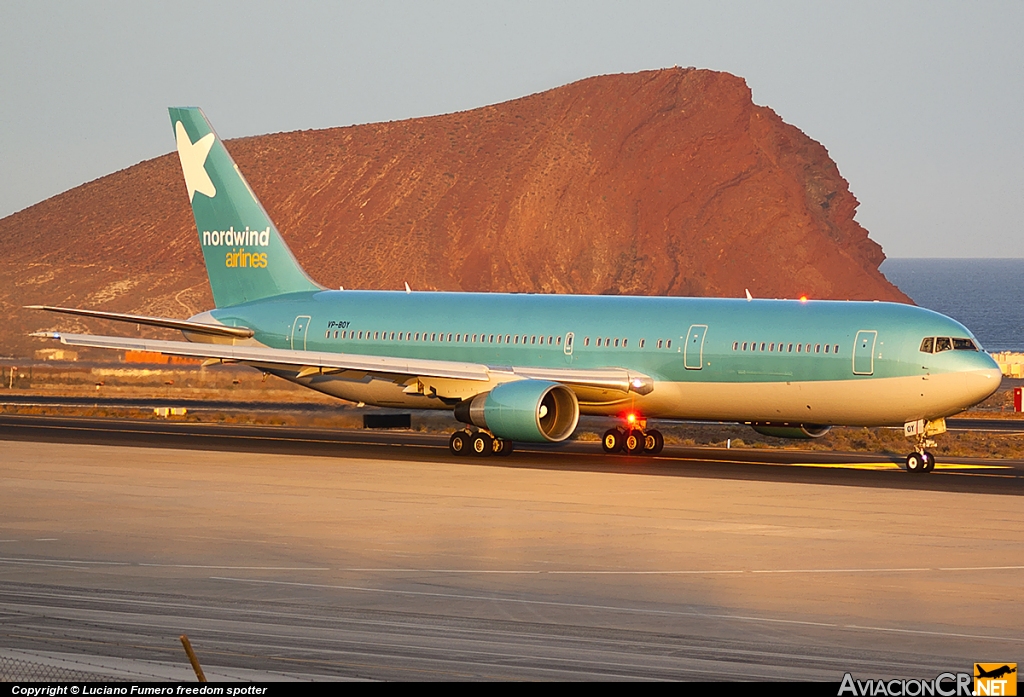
{"type": "Point", "coordinates": [922, 460]}
{"type": "Point", "coordinates": [478, 443]}
{"type": "Point", "coordinates": [633, 439]}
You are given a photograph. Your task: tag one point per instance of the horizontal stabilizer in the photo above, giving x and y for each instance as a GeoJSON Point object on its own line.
{"type": "Point", "coordinates": [181, 324]}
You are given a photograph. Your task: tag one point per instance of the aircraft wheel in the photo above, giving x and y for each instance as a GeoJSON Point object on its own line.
{"type": "Point", "coordinates": [481, 444]}
{"type": "Point", "coordinates": [612, 441]}
{"type": "Point", "coordinates": [653, 442]}
{"type": "Point", "coordinates": [502, 447]}
{"type": "Point", "coordinates": [929, 461]}
{"type": "Point", "coordinates": [459, 443]}
{"type": "Point", "coordinates": [634, 442]}
{"type": "Point", "coordinates": [915, 462]}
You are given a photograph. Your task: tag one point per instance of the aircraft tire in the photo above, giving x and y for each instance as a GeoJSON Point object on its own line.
{"type": "Point", "coordinates": [929, 461]}
{"type": "Point", "coordinates": [653, 442]}
{"type": "Point", "coordinates": [915, 463]}
{"type": "Point", "coordinates": [459, 443]}
{"type": "Point", "coordinates": [481, 444]}
{"type": "Point", "coordinates": [612, 440]}
{"type": "Point", "coordinates": [634, 442]}
{"type": "Point", "coordinates": [505, 449]}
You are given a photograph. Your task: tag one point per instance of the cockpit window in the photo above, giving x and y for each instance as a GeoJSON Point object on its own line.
{"type": "Point", "coordinates": [937, 344]}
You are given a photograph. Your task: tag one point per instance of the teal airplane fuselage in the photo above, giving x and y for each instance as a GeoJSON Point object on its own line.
{"type": "Point", "coordinates": [823, 362]}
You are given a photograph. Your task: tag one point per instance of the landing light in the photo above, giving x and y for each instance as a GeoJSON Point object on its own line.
{"type": "Point", "coordinates": [631, 418]}
{"type": "Point", "coordinates": [803, 298]}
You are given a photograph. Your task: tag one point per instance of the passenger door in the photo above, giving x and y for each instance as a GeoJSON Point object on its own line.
{"type": "Point", "coordinates": [864, 352]}
{"type": "Point", "coordinates": [299, 328]}
{"type": "Point", "coordinates": [693, 349]}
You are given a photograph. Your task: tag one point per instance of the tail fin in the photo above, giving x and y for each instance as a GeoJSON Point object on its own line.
{"type": "Point", "coordinates": [246, 259]}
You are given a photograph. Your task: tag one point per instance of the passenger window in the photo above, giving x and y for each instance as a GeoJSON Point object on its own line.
{"type": "Point", "coordinates": [835, 349]}
{"type": "Point", "coordinates": [669, 344]}
{"type": "Point", "coordinates": [660, 342]}
{"type": "Point", "coordinates": [491, 340]}
{"type": "Point", "coordinates": [533, 340]}
{"type": "Point", "coordinates": [790, 349]}
{"type": "Point", "coordinates": [624, 342]}
{"type": "Point", "coordinates": [616, 343]}
{"type": "Point", "coordinates": [735, 345]}
{"type": "Point", "coordinates": [799, 348]}
{"type": "Point", "coordinates": [771, 347]}
{"type": "Point", "coordinates": [927, 345]}
{"type": "Point", "coordinates": [642, 342]}
{"type": "Point", "coordinates": [943, 343]}
{"type": "Point", "coordinates": [817, 348]}
{"type": "Point", "coordinates": [807, 348]}
{"type": "Point", "coordinates": [558, 341]}
{"type": "Point", "coordinates": [744, 346]}
{"type": "Point", "coordinates": [762, 346]}
{"type": "Point", "coordinates": [964, 345]}
{"type": "Point", "coordinates": [826, 348]}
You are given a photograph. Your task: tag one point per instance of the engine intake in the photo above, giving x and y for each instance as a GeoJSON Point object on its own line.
{"type": "Point", "coordinates": [534, 411]}
{"type": "Point", "coordinates": [787, 430]}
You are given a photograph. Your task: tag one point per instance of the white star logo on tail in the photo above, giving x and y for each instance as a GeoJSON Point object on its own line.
{"type": "Point", "coordinates": [193, 162]}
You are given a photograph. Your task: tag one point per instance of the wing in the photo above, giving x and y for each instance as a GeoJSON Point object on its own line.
{"type": "Point", "coordinates": [446, 379]}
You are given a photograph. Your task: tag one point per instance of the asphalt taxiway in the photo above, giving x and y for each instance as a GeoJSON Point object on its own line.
{"type": "Point", "coordinates": [360, 555]}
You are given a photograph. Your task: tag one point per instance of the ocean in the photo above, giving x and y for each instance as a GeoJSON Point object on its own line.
{"type": "Point", "coordinates": [985, 295]}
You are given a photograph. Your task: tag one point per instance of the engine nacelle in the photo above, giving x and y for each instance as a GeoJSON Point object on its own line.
{"type": "Point", "coordinates": [786, 430]}
{"type": "Point", "coordinates": [534, 411]}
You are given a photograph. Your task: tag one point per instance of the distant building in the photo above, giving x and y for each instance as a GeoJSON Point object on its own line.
{"type": "Point", "coordinates": [1012, 364]}
{"type": "Point", "coordinates": [56, 354]}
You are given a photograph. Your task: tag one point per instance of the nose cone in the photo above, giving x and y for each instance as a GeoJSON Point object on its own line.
{"type": "Point", "coordinates": [981, 382]}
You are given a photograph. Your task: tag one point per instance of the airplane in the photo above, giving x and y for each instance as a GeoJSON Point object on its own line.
{"type": "Point", "coordinates": [524, 367]}
{"type": "Point", "coordinates": [995, 673]}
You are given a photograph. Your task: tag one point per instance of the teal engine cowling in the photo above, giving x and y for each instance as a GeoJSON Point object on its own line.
{"type": "Point", "coordinates": [787, 430]}
{"type": "Point", "coordinates": [534, 411]}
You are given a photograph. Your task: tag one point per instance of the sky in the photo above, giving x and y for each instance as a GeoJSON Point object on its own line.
{"type": "Point", "coordinates": [919, 103]}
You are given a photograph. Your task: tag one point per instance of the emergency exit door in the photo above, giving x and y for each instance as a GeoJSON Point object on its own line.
{"type": "Point", "coordinates": [299, 328]}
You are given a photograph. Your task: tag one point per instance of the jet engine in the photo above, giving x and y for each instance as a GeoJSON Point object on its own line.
{"type": "Point", "coordinates": [535, 411]}
{"type": "Point", "coordinates": [786, 430]}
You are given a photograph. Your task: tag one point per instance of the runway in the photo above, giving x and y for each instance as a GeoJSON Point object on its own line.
{"type": "Point", "coordinates": [811, 466]}
{"type": "Point", "coordinates": [285, 553]}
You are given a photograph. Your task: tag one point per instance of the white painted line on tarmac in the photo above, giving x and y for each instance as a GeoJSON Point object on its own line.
{"type": "Point", "coordinates": [457, 596]}
{"type": "Point", "coordinates": [613, 608]}
{"type": "Point", "coordinates": [678, 572]}
{"type": "Point", "coordinates": [240, 568]}
{"type": "Point", "coordinates": [26, 560]}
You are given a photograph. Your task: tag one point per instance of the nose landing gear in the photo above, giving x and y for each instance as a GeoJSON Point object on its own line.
{"type": "Point", "coordinates": [634, 439]}
{"type": "Point", "coordinates": [922, 460]}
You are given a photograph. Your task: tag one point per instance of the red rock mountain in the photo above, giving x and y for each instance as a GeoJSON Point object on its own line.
{"type": "Point", "coordinates": [668, 182]}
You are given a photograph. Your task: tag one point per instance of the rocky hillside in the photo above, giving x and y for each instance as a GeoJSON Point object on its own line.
{"type": "Point", "coordinates": [665, 182]}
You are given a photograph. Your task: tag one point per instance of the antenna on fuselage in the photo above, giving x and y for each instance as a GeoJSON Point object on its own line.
{"type": "Point", "coordinates": [749, 296]}
{"type": "Point", "coordinates": [407, 288]}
